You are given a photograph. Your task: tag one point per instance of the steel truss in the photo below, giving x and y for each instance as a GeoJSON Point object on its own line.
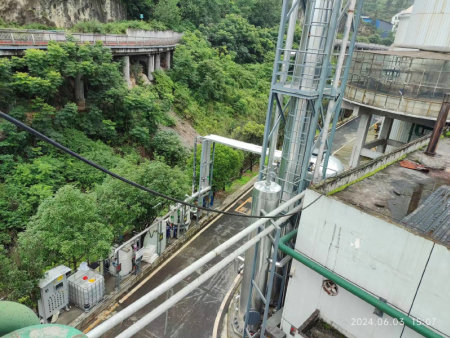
{"type": "Point", "coordinates": [303, 81]}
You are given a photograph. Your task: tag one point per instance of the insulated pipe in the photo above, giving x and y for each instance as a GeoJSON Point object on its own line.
{"type": "Point", "coordinates": [150, 296]}
{"type": "Point", "coordinates": [332, 104]}
{"type": "Point", "coordinates": [147, 319]}
{"type": "Point", "coordinates": [365, 296]}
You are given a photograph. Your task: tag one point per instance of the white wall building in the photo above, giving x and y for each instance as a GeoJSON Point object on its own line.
{"type": "Point", "coordinates": [361, 233]}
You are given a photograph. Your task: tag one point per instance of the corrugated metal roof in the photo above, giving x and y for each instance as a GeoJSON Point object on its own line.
{"type": "Point", "coordinates": [412, 54]}
{"type": "Point", "coordinates": [432, 217]}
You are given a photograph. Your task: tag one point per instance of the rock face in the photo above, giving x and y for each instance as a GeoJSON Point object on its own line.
{"type": "Point", "coordinates": [61, 13]}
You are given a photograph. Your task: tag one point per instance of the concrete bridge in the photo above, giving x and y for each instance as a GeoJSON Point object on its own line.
{"type": "Point", "coordinates": [151, 48]}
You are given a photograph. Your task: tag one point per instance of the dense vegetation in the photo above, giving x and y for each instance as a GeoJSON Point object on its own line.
{"type": "Point", "coordinates": [57, 210]}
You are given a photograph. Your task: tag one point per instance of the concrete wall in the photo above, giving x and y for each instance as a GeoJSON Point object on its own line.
{"type": "Point", "coordinates": [61, 13]}
{"type": "Point", "coordinates": [379, 256]}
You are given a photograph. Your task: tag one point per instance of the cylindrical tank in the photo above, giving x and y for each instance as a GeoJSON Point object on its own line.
{"type": "Point", "coordinates": [264, 197]}
{"type": "Point", "coordinates": [125, 256]}
{"type": "Point", "coordinates": [429, 25]}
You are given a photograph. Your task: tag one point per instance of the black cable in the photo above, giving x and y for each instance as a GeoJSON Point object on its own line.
{"type": "Point", "coordinates": [110, 173]}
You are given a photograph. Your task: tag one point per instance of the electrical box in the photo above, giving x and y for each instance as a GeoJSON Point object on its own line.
{"type": "Point", "coordinates": [54, 291]}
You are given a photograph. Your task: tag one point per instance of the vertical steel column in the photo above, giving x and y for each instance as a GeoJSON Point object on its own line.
{"type": "Point", "coordinates": [204, 172]}
{"type": "Point", "coordinates": [332, 103]}
{"type": "Point", "coordinates": [439, 126]}
{"type": "Point", "coordinates": [344, 80]}
{"type": "Point", "coordinates": [267, 129]}
{"type": "Point", "coordinates": [264, 197]}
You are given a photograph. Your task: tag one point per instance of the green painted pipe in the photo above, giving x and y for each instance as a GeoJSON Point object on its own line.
{"type": "Point", "coordinates": [368, 298]}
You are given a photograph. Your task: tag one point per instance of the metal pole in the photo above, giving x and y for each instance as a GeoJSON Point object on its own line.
{"type": "Point", "coordinates": [144, 321]}
{"type": "Point", "coordinates": [344, 81]}
{"type": "Point", "coordinates": [286, 58]}
{"type": "Point", "coordinates": [332, 104]}
{"type": "Point", "coordinates": [439, 126]}
{"type": "Point", "coordinates": [271, 98]}
{"type": "Point", "coordinates": [144, 300]}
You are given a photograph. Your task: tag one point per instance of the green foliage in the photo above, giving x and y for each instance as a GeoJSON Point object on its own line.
{"type": "Point", "coordinates": [168, 12]}
{"type": "Point", "coordinates": [227, 165]}
{"type": "Point", "coordinates": [69, 226]}
{"type": "Point", "coordinates": [124, 207]}
{"type": "Point", "coordinates": [166, 144]}
{"type": "Point", "coordinates": [21, 268]}
{"type": "Point", "coordinates": [211, 89]}
{"type": "Point", "coordinates": [235, 34]}
{"type": "Point", "coordinates": [262, 13]}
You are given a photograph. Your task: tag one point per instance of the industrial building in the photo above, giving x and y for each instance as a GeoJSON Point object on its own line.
{"type": "Point", "coordinates": [385, 231]}
{"type": "Point", "coordinates": [405, 85]}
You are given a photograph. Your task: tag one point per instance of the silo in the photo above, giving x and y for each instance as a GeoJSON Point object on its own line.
{"type": "Point", "coordinates": [429, 27]}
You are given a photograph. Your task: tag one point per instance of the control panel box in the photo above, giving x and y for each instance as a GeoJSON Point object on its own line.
{"type": "Point", "coordinates": [54, 291]}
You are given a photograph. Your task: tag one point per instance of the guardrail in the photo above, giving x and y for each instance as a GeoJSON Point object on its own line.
{"type": "Point", "coordinates": [42, 38]}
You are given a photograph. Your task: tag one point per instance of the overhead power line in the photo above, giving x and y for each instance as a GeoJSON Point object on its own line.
{"type": "Point", "coordinates": [30, 130]}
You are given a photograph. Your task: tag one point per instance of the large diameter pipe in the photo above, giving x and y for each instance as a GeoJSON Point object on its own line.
{"type": "Point", "coordinates": [155, 293]}
{"type": "Point", "coordinates": [439, 126]}
{"type": "Point", "coordinates": [264, 197]}
{"type": "Point", "coordinates": [332, 103]}
{"type": "Point", "coordinates": [365, 296]}
{"type": "Point", "coordinates": [147, 319]}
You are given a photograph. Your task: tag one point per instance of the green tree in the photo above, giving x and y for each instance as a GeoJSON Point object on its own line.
{"type": "Point", "coordinates": [167, 144]}
{"type": "Point", "coordinates": [251, 132]}
{"type": "Point", "coordinates": [168, 11]}
{"type": "Point", "coordinates": [227, 165]}
{"type": "Point", "coordinates": [235, 34]}
{"type": "Point", "coordinates": [125, 207]}
{"type": "Point", "coordinates": [69, 226]}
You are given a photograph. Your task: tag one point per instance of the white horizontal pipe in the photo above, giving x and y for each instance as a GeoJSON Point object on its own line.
{"type": "Point", "coordinates": [147, 319]}
{"type": "Point", "coordinates": [155, 293]}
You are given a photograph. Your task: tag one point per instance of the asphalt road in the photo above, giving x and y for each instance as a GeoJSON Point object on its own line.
{"type": "Point", "coordinates": [194, 316]}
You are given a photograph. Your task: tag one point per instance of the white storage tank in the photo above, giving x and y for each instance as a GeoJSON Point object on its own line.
{"type": "Point", "coordinates": [86, 289]}
{"type": "Point", "coordinates": [124, 256]}
{"type": "Point", "coordinates": [429, 26]}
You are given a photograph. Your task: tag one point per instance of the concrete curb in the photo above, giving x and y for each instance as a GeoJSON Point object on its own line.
{"type": "Point", "coordinates": [83, 320]}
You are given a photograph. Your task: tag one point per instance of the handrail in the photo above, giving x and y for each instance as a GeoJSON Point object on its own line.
{"type": "Point", "coordinates": [41, 38]}
{"type": "Point", "coordinates": [415, 325]}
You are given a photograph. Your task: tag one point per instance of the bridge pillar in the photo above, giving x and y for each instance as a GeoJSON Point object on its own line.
{"type": "Point", "coordinates": [157, 61]}
{"type": "Point", "coordinates": [151, 67]}
{"type": "Point", "coordinates": [126, 70]}
{"type": "Point", "coordinates": [79, 92]}
{"type": "Point", "coordinates": [168, 59]}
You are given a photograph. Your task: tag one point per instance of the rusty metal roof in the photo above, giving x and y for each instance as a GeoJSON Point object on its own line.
{"type": "Point", "coordinates": [432, 217]}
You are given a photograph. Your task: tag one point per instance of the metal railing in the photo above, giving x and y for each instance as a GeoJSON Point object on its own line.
{"type": "Point", "coordinates": [390, 102]}
{"type": "Point", "coordinates": [42, 38]}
